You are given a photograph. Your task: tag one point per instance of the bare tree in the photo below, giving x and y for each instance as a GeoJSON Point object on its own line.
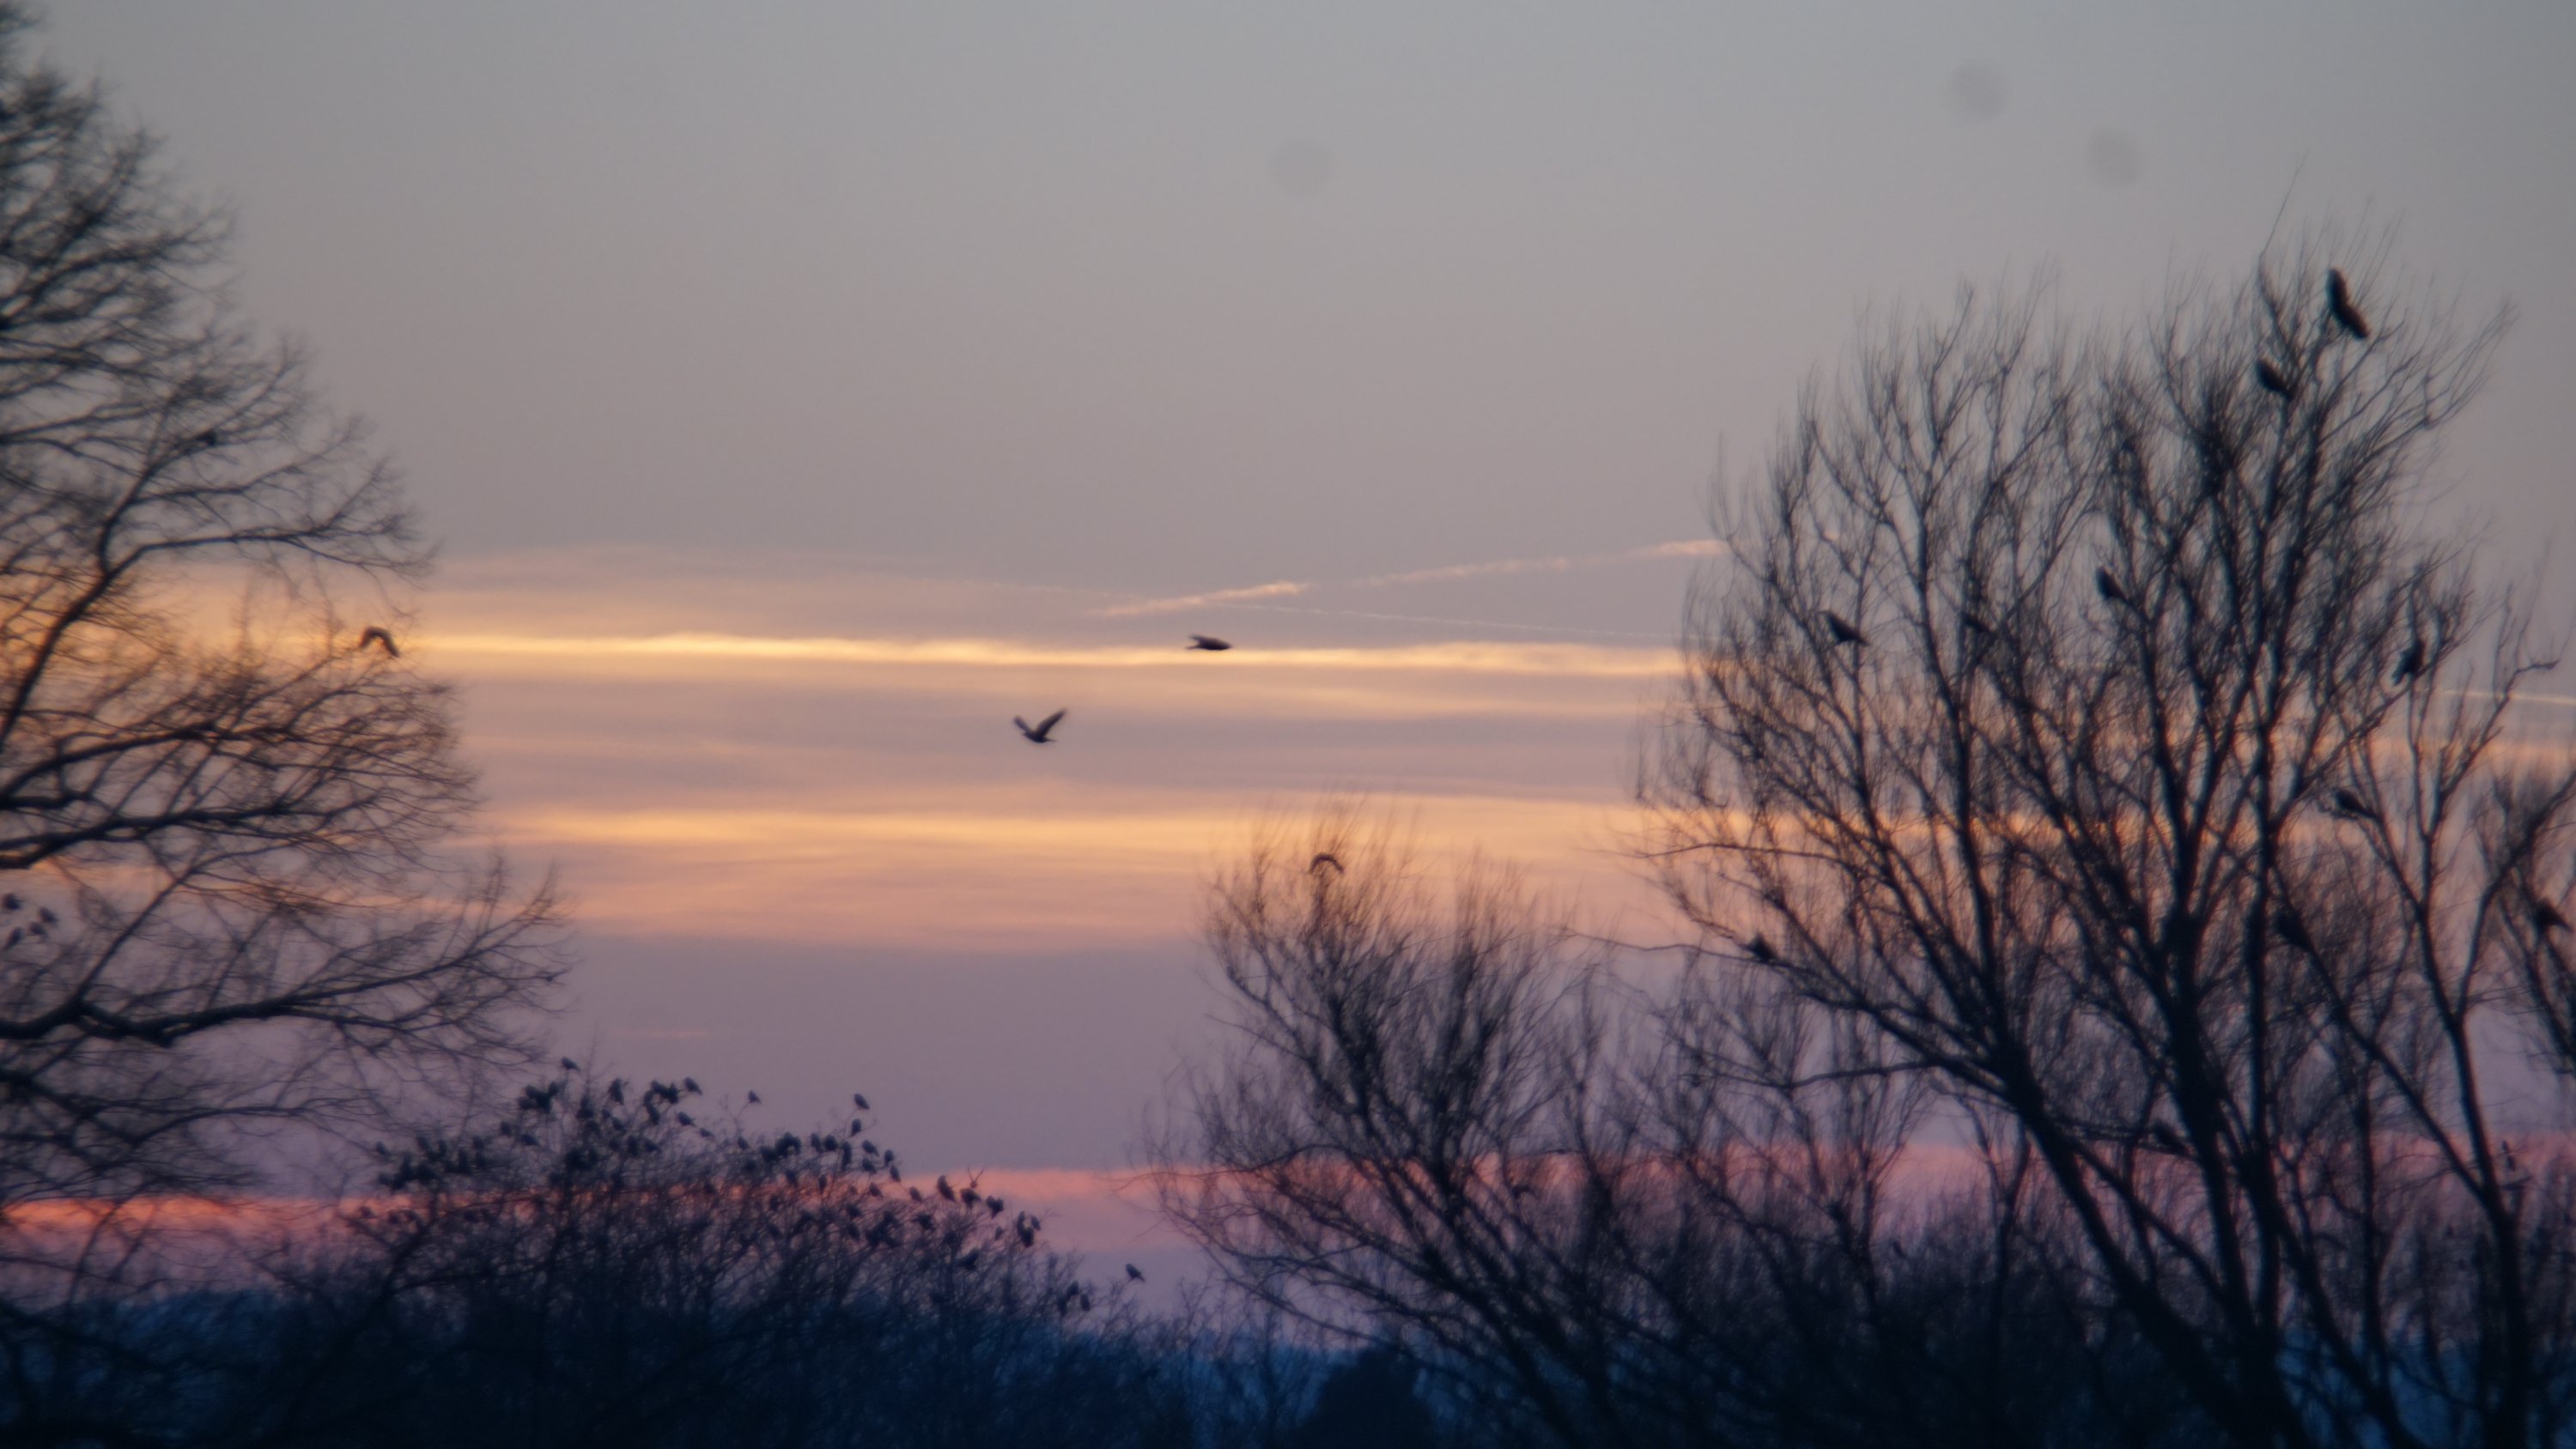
{"type": "Point", "coordinates": [225, 896]}
{"type": "Point", "coordinates": [2092, 723]}
{"type": "Point", "coordinates": [1598, 1204]}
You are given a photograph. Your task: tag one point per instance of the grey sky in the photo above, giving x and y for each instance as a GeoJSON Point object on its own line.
{"type": "Point", "coordinates": [750, 318]}
{"type": "Point", "coordinates": [1021, 291]}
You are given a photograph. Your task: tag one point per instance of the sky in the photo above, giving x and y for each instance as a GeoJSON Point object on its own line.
{"type": "Point", "coordinates": [803, 390]}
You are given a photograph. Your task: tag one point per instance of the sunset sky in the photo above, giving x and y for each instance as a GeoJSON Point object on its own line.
{"type": "Point", "coordinates": [803, 390]}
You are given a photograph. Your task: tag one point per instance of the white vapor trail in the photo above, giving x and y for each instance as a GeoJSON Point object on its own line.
{"type": "Point", "coordinates": [1290, 588]}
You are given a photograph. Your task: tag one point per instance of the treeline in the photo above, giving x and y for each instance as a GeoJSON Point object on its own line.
{"type": "Point", "coordinates": [613, 1264]}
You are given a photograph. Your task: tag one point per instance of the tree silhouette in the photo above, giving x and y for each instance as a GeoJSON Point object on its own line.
{"type": "Point", "coordinates": [2191, 909]}
{"type": "Point", "coordinates": [222, 819]}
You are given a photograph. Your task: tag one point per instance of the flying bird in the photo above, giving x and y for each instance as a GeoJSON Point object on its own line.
{"type": "Point", "coordinates": [2339, 303]}
{"type": "Point", "coordinates": [2287, 925]}
{"type": "Point", "coordinates": [1842, 629]}
{"type": "Point", "coordinates": [2410, 663]}
{"type": "Point", "coordinates": [1038, 735]}
{"type": "Point", "coordinates": [1323, 858]}
{"type": "Point", "coordinates": [1208, 642]}
{"type": "Point", "coordinates": [378, 635]}
{"type": "Point", "coordinates": [2109, 587]}
{"type": "Point", "coordinates": [2352, 807]}
{"type": "Point", "coordinates": [2269, 378]}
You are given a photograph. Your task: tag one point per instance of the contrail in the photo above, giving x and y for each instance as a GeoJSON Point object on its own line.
{"type": "Point", "coordinates": [1288, 588]}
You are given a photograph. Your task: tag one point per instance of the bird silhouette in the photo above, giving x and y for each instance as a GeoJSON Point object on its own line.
{"type": "Point", "coordinates": [2287, 925]}
{"type": "Point", "coordinates": [752, 1098]}
{"type": "Point", "coordinates": [10, 902]}
{"type": "Point", "coordinates": [2352, 807]}
{"type": "Point", "coordinates": [1037, 735]}
{"type": "Point", "coordinates": [2340, 305]}
{"type": "Point", "coordinates": [2109, 587]}
{"type": "Point", "coordinates": [2269, 378]}
{"type": "Point", "coordinates": [1323, 858]}
{"type": "Point", "coordinates": [2410, 663]}
{"type": "Point", "coordinates": [1761, 950]}
{"type": "Point", "coordinates": [1969, 621]}
{"type": "Point", "coordinates": [378, 635]}
{"type": "Point", "coordinates": [1135, 1274]}
{"type": "Point", "coordinates": [2546, 917]}
{"type": "Point", "coordinates": [860, 1102]}
{"type": "Point", "coordinates": [1208, 642]}
{"type": "Point", "coordinates": [570, 1065]}
{"type": "Point", "coordinates": [1842, 629]}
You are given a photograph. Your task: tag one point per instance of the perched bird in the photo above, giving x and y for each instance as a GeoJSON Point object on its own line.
{"type": "Point", "coordinates": [945, 1190]}
{"type": "Point", "coordinates": [860, 1102]}
{"type": "Point", "coordinates": [2352, 807]}
{"type": "Point", "coordinates": [2410, 663]}
{"type": "Point", "coordinates": [2287, 925]}
{"type": "Point", "coordinates": [689, 1085]}
{"type": "Point", "coordinates": [1842, 629]}
{"type": "Point", "coordinates": [752, 1097]}
{"type": "Point", "coordinates": [570, 1065]}
{"type": "Point", "coordinates": [210, 438]}
{"type": "Point", "coordinates": [2109, 587]}
{"type": "Point", "coordinates": [1761, 950]}
{"type": "Point", "coordinates": [1969, 621]}
{"type": "Point", "coordinates": [1038, 734]}
{"type": "Point", "coordinates": [16, 934]}
{"type": "Point", "coordinates": [10, 902]}
{"type": "Point", "coordinates": [2269, 378]}
{"type": "Point", "coordinates": [1208, 642]}
{"type": "Point", "coordinates": [1135, 1274]}
{"type": "Point", "coordinates": [2546, 917]}
{"type": "Point", "coordinates": [1322, 859]}
{"type": "Point", "coordinates": [2340, 305]}
{"type": "Point", "coordinates": [378, 635]}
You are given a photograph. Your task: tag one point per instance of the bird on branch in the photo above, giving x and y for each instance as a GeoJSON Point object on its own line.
{"type": "Point", "coordinates": [2340, 306]}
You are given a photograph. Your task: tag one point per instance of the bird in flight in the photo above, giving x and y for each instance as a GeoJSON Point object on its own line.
{"type": "Point", "coordinates": [1323, 858]}
{"type": "Point", "coordinates": [2269, 378]}
{"type": "Point", "coordinates": [1842, 629]}
{"type": "Point", "coordinates": [1208, 642]}
{"type": "Point", "coordinates": [1037, 734]}
{"type": "Point", "coordinates": [2339, 304]}
{"type": "Point", "coordinates": [378, 635]}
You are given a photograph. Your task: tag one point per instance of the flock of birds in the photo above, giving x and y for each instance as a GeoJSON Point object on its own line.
{"type": "Point", "coordinates": [2346, 315]}
{"type": "Point", "coordinates": [1043, 732]}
